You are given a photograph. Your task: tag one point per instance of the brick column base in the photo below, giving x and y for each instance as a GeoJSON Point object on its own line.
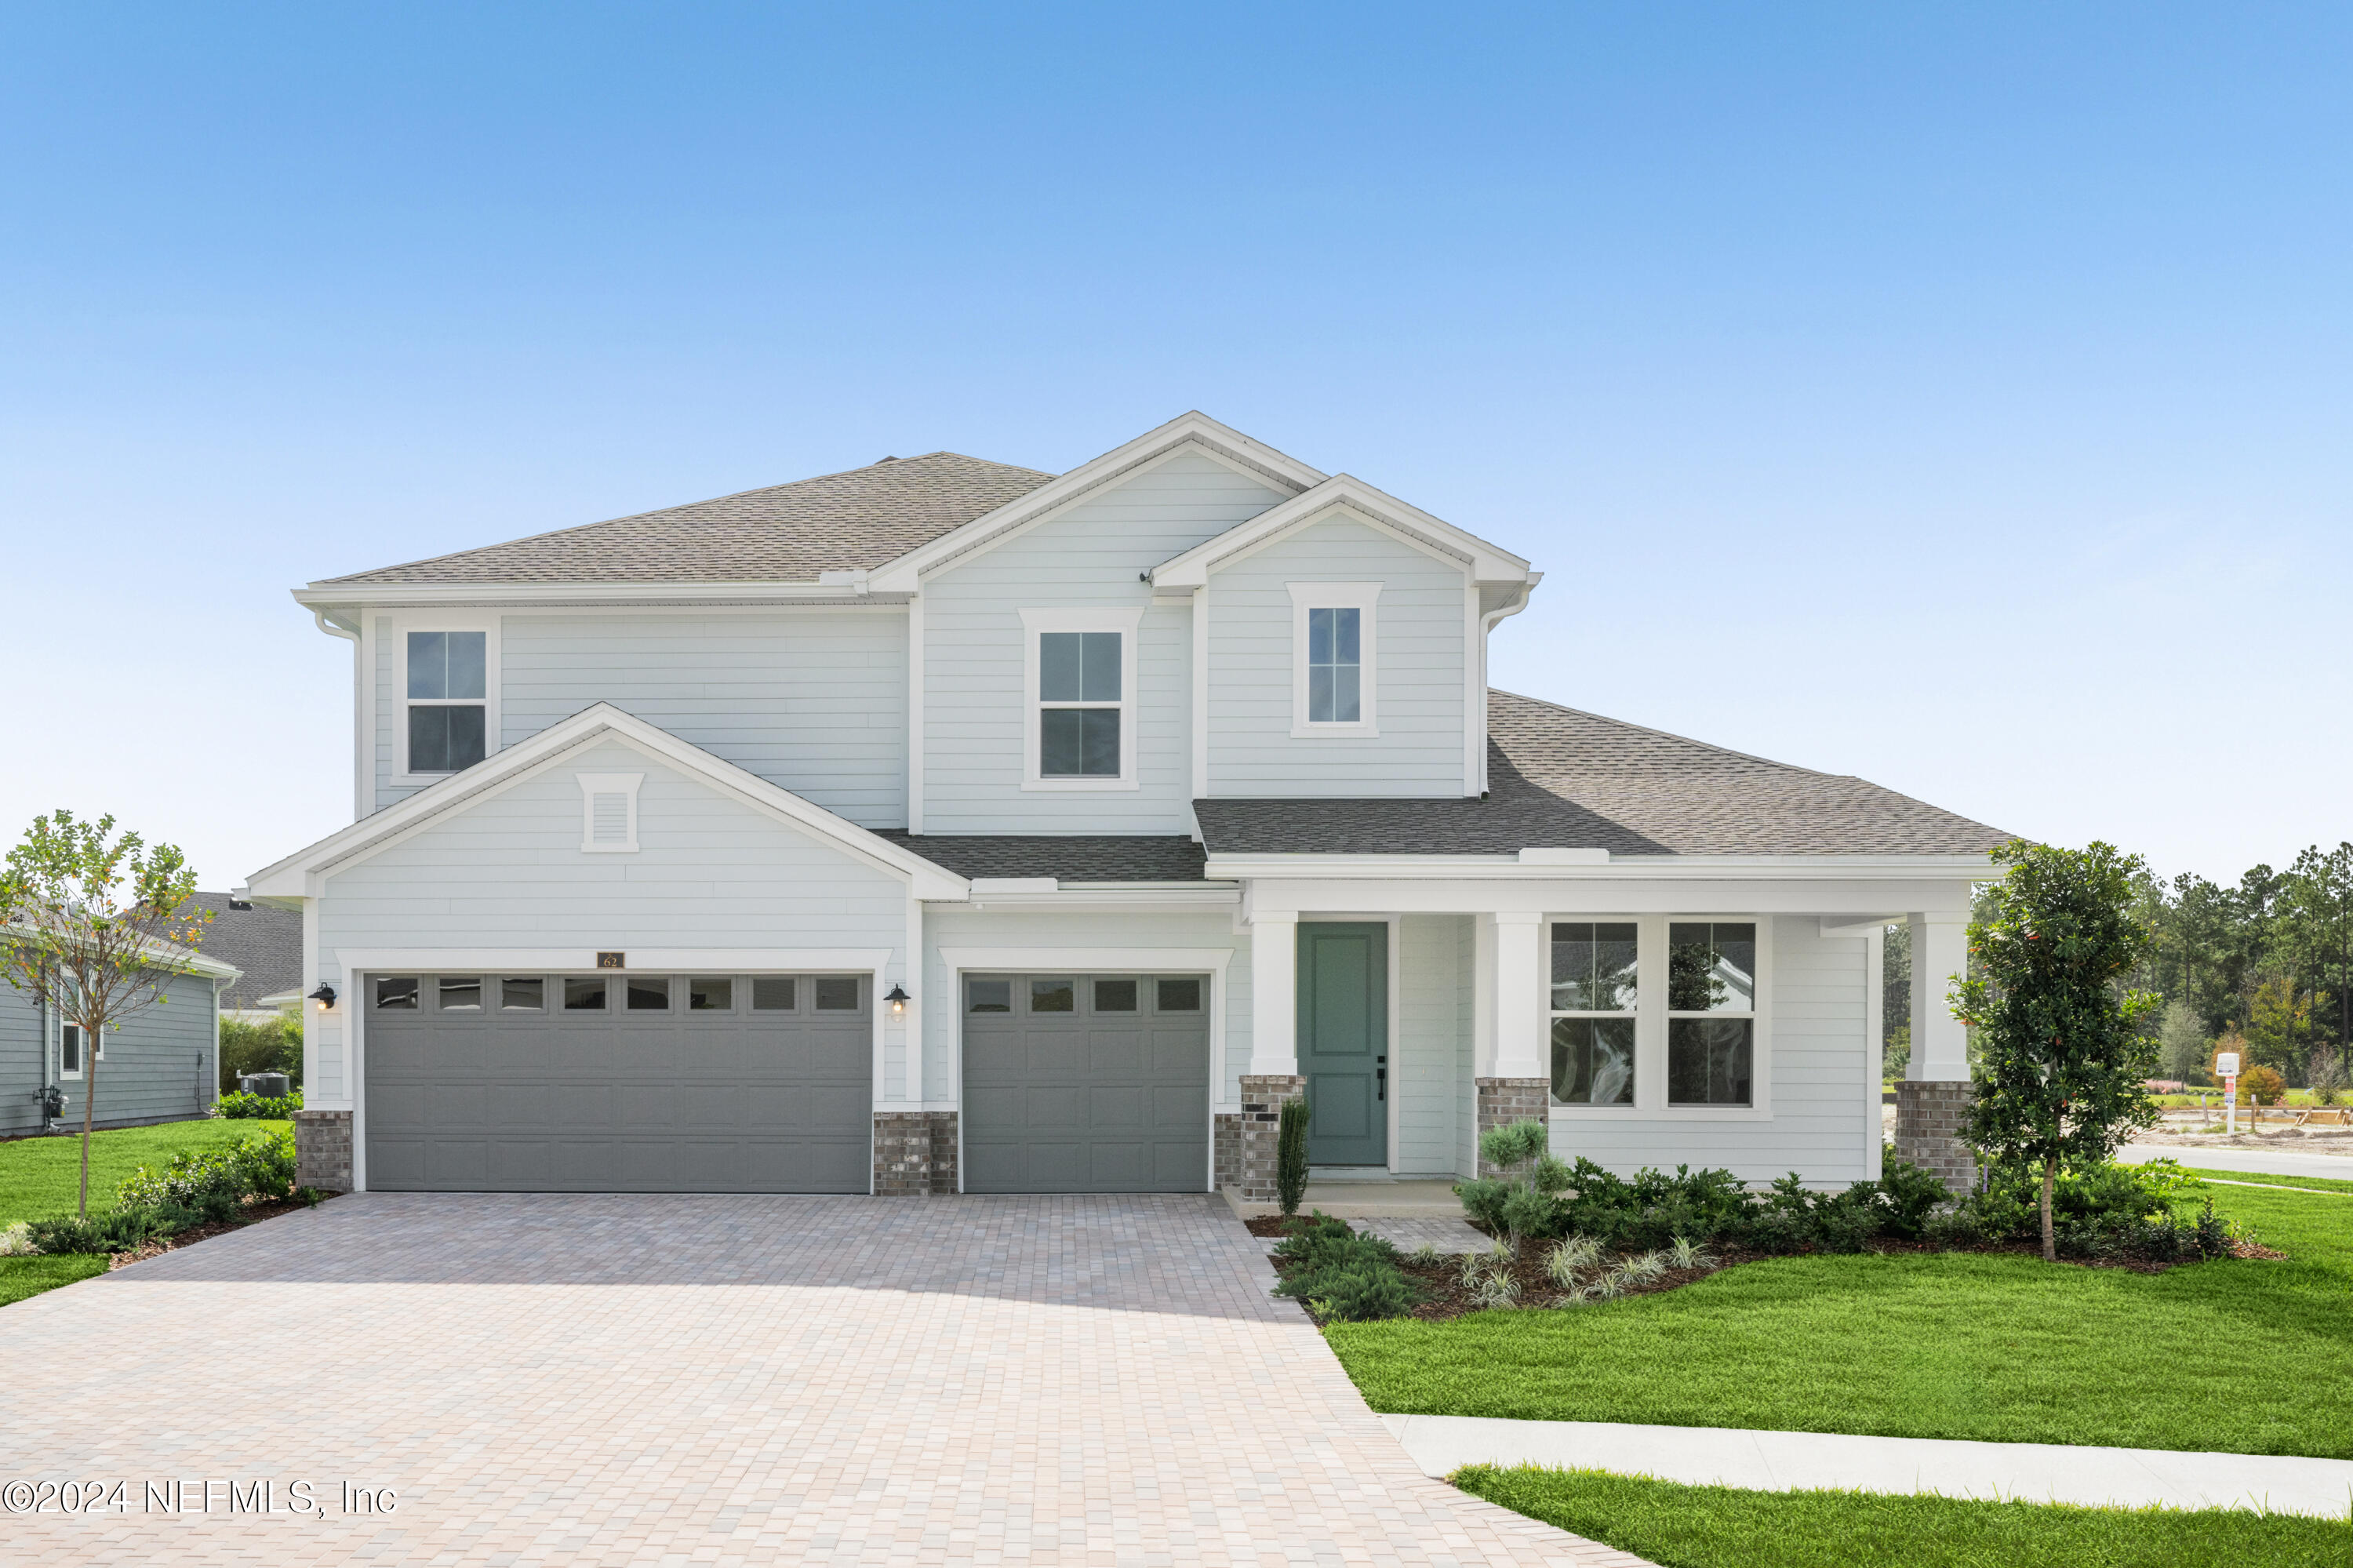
{"type": "Point", "coordinates": [1226, 1150]}
{"type": "Point", "coordinates": [914, 1153]}
{"type": "Point", "coordinates": [1928, 1115]}
{"type": "Point", "coordinates": [1257, 1128]}
{"type": "Point", "coordinates": [323, 1150]}
{"type": "Point", "coordinates": [1502, 1101]}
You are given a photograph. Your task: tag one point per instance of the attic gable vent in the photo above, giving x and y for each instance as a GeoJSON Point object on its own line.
{"type": "Point", "coordinates": [608, 812]}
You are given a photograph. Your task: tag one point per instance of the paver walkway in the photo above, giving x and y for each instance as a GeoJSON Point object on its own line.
{"type": "Point", "coordinates": [720, 1379]}
{"type": "Point", "coordinates": [1792, 1461]}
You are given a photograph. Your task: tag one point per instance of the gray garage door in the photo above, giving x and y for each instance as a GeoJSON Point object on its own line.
{"type": "Point", "coordinates": [1086, 1084]}
{"type": "Point", "coordinates": [619, 1083]}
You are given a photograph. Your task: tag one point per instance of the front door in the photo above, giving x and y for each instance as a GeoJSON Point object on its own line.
{"type": "Point", "coordinates": [1344, 1041]}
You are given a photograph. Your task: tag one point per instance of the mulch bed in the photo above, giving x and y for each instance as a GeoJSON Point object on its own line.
{"type": "Point", "coordinates": [254, 1213]}
{"type": "Point", "coordinates": [1445, 1296]}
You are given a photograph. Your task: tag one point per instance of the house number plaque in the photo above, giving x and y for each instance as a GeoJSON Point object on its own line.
{"type": "Point", "coordinates": [611, 961]}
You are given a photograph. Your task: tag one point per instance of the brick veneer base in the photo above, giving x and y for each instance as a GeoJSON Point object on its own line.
{"type": "Point", "coordinates": [1256, 1130]}
{"type": "Point", "coordinates": [323, 1150]}
{"type": "Point", "coordinates": [1502, 1101]}
{"type": "Point", "coordinates": [1226, 1150]}
{"type": "Point", "coordinates": [914, 1153]}
{"type": "Point", "coordinates": [1928, 1114]}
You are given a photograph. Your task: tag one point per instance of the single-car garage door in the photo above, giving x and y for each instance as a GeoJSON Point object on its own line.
{"type": "Point", "coordinates": [1086, 1084]}
{"type": "Point", "coordinates": [619, 1083]}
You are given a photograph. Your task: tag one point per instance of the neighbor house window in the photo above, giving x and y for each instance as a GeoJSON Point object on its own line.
{"type": "Point", "coordinates": [1710, 1012]}
{"type": "Point", "coordinates": [448, 700]}
{"type": "Point", "coordinates": [1080, 671]}
{"type": "Point", "coordinates": [1331, 658]}
{"type": "Point", "coordinates": [71, 1037]}
{"type": "Point", "coordinates": [1595, 983]}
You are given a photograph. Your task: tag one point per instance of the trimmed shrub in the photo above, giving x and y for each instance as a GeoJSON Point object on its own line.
{"type": "Point", "coordinates": [1290, 1156]}
{"type": "Point", "coordinates": [238, 1106]}
{"type": "Point", "coordinates": [1341, 1275]}
{"type": "Point", "coordinates": [215, 1181]}
{"type": "Point", "coordinates": [121, 1231]}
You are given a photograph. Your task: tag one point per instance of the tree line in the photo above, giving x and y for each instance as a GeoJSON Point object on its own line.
{"type": "Point", "coordinates": [2264, 967]}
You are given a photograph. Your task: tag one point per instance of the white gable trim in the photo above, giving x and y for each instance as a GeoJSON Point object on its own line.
{"type": "Point", "coordinates": [302, 875]}
{"type": "Point", "coordinates": [1485, 562]}
{"type": "Point", "coordinates": [1194, 432]}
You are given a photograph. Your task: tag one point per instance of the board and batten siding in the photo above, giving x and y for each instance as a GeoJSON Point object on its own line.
{"type": "Point", "coordinates": [1090, 556]}
{"type": "Point", "coordinates": [1420, 630]}
{"type": "Point", "coordinates": [812, 697]}
{"type": "Point", "coordinates": [1821, 1054]}
{"type": "Point", "coordinates": [508, 872]}
{"type": "Point", "coordinates": [1433, 1037]}
{"type": "Point", "coordinates": [948, 927]}
{"type": "Point", "coordinates": [162, 1064]}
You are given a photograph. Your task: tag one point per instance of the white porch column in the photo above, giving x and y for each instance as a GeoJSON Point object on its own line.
{"type": "Point", "coordinates": [1940, 1046]}
{"type": "Point", "coordinates": [1519, 1049]}
{"type": "Point", "coordinates": [1274, 995]}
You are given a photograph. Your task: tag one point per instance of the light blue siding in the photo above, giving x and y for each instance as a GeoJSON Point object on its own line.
{"type": "Point", "coordinates": [1420, 630]}
{"type": "Point", "coordinates": [509, 872]}
{"type": "Point", "coordinates": [1089, 556]}
{"type": "Point", "coordinates": [1433, 1039]}
{"type": "Point", "coordinates": [162, 1064]}
{"type": "Point", "coordinates": [948, 926]}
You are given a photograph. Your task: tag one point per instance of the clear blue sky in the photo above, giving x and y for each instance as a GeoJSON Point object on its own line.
{"type": "Point", "coordinates": [1953, 396]}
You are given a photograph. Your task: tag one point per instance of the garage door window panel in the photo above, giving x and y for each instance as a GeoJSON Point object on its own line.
{"type": "Point", "coordinates": [584, 995]}
{"type": "Point", "coordinates": [648, 995]}
{"type": "Point", "coordinates": [460, 993]}
{"type": "Point", "coordinates": [525, 995]}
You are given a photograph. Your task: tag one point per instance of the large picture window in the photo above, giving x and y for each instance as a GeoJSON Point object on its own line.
{"type": "Point", "coordinates": [1595, 986]}
{"type": "Point", "coordinates": [447, 676]}
{"type": "Point", "coordinates": [1710, 1012]}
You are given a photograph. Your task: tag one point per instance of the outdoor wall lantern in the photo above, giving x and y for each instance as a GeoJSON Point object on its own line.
{"type": "Point", "coordinates": [898, 998]}
{"type": "Point", "coordinates": [325, 997]}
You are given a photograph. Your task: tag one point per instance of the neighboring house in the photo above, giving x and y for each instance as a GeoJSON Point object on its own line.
{"type": "Point", "coordinates": [945, 825]}
{"type": "Point", "coordinates": [160, 1066]}
{"type": "Point", "coordinates": [266, 946]}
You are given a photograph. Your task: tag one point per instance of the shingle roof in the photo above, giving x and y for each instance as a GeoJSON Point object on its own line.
{"type": "Point", "coordinates": [266, 943]}
{"type": "Point", "coordinates": [787, 532]}
{"type": "Point", "coordinates": [1561, 779]}
{"type": "Point", "coordinates": [1076, 858]}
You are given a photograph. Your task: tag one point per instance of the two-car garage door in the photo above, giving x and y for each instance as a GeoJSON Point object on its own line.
{"type": "Point", "coordinates": [619, 1083]}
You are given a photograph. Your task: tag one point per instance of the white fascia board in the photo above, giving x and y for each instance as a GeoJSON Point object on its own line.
{"type": "Point", "coordinates": [302, 874]}
{"type": "Point", "coordinates": [1835, 926]}
{"type": "Point", "coordinates": [183, 961]}
{"type": "Point", "coordinates": [1633, 868]}
{"type": "Point", "coordinates": [1488, 563]}
{"type": "Point", "coordinates": [904, 574]}
{"type": "Point", "coordinates": [1106, 898]}
{"type": "Point", "coordinates": [325, 598]}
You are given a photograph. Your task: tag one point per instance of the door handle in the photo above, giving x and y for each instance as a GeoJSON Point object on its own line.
{"type": "Point", "coordinates": [1381, 1079]}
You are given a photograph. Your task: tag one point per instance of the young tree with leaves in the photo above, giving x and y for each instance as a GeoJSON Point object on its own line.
{"type": "Point", "coordinates": [92, 929]}
{"type": "Point", "coordinates": [2320, 905]}
{"type": "Point", "coordinates": [2064, 1058]}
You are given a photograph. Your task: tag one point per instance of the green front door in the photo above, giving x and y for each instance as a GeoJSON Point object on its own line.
{"type": "Point", "coordinates": [1344, 1041]}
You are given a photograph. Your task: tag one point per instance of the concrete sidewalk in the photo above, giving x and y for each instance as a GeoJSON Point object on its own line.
{"type": "Point", "coordinates": [1793, 1461]}
{"type": "Point", "coordinates": [2255, 1162]}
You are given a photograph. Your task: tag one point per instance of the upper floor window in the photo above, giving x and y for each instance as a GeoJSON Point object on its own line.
{"type": "Point", "coordinates": [1081, 687]}
{"type": "Point", "coordinates": [1331, 658]}
{"type": "Point", "coordinates": [447, 699]}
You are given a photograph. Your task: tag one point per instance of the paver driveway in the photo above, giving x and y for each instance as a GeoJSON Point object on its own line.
{"type": "Point", "coordinates": [692, 1380]}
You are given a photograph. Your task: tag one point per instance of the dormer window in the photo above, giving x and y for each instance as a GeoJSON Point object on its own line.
{"type": "Point", "coordinates": [1332, 640]}
{"type": "Point", "coordinates": [1081, 674]}
{"type": "Point", "coordinates": [447, 679]}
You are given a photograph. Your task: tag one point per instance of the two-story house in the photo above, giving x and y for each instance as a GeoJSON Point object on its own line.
{"type": "Point", "coordinates": [943, 825]}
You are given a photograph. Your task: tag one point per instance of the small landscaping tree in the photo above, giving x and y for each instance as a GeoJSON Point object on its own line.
{"type": "Point", "coordinates": [92, 930]}
{"type": "Point", "coordinates": [1290, 1156]}
{"type": "Point", "coordinates": [2063, 1059]}
{"type": "Point", "coordinates": [2263, 1086]}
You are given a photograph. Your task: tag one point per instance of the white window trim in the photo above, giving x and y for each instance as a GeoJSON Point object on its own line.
{"type": "Point", "coordinates": [595, 784]}
{"type": "Point", "coordinates": [1364, 597]}
{"type": "Point", "coordinates": [1651, 1021]}
{"type": "Point", "coordinates": [1036, 622]}
{"type": "Point", "coordinates": [96, 1053]}
{"type": "Point", "coordinates": [1642, 965]}
{"type": "Point", "coordinates": [401, 627]}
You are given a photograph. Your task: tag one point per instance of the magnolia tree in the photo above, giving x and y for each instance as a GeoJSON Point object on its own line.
{"type": "Point", "coordinates": [92, 931]}
{"type": "Point", "coordinates": [2064, 1060]}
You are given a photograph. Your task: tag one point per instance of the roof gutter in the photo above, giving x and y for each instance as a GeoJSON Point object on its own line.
{"type": "Point", "coordinates": [321, 598]}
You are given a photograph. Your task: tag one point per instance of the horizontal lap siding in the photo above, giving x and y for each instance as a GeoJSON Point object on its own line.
{"type": "Point", "coordinates": [1428, 1052]}
{"type": "Point", "coordinates": [1090, 557]}
{"type": "Point", "coordinates": [162, 1065]}
{"type": "Point", "coordinates": [814, 699]}
{"type": "Point", "coordinates": [1420, 632]}
{"type": "Point", "coordinates": [710, 873]}
{"type": "Point", "coordinates": [952, 928]}
{"type": "Point", "coordinates": [22, 1056]}
{"type": "Point", "coordinates": [1819, 1120]}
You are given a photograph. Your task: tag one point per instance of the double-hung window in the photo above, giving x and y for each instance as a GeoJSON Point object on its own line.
{"type": "Point", "coordinates": [447, 699]}
{"type": "Point", "coordinates": [1595, 985]}
{"type": "Point", "coordinates": [1333, 639]}
{"type": "Point", "coordinates": [1081, 684]}
{"type": "Point", "coordinates": [72, 1059]}
{"type": "Point", "coordinates": [1711, 1013]}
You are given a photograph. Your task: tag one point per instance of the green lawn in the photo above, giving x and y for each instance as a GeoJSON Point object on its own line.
{"type": "Point", "coordinates": [2003, 1349]}
{"type": "Point", "coordinates": [1720, 1527]}
{"type": "Point", "coordinates": [39, 1176]}
{"type": "Point", "coordinates": [22, 1277]}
